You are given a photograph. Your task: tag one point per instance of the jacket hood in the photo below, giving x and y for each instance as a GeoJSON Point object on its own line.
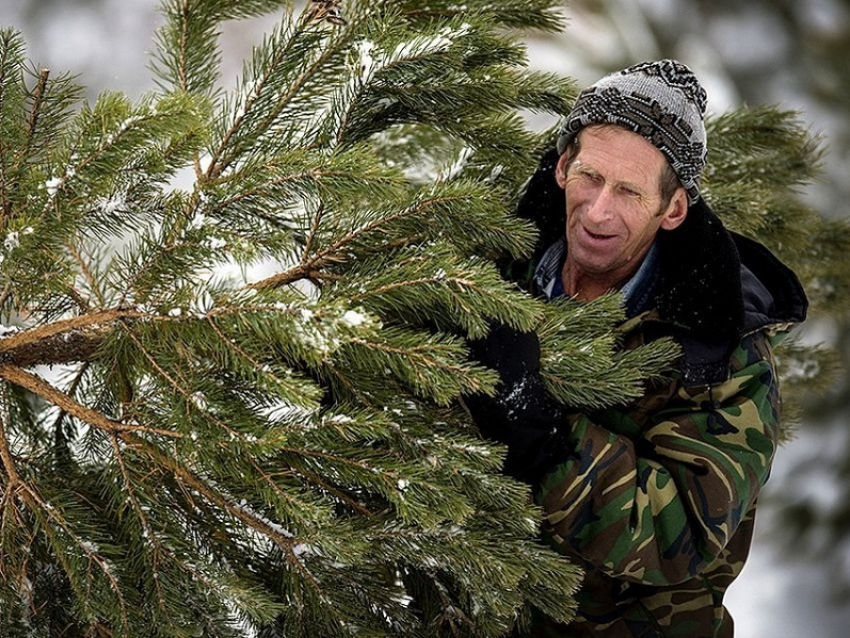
{"type": "Point", "coordinates": [772, 292]}
{"type": "Point", "coordinates": [713, 283]}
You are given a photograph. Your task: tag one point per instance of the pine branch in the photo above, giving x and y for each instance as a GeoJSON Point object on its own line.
{"type": "Point", "coordinates": [63, 341]}
{"type": "Point", "coordinates": [34, 114]}
{"type": "Point", "coordinates": [39, 387]}
{"type": "Point", "coordinates": [293, 45]}
{"type": "Point", "coordinates": [42, 511]}
{"type": "Point", "coordinates": [11, 54]}
{"type": "Point", "coordinates": [13, 478]}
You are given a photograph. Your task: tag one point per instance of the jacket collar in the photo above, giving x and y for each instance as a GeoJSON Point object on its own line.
{"type": "Point", "coordinates": [637, 291]}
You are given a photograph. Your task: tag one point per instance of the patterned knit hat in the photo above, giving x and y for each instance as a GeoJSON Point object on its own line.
{"type": "Point", "coordinates": [661, 101]}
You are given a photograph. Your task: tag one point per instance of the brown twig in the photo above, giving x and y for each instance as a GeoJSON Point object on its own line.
{"type": "Point", "coordinates": [35, 108]}
{"type": "Point", "coordinates": [13, 478]}
{"type": "Point", "coordinates": [42, 388]}
{"type": "Point", "coordinates": [63, 341]}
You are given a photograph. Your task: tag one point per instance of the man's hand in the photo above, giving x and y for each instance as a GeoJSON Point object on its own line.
{"type": "Point", "coordinates": [522, 415]}
{"type": "Point", "coordinates": [510, 352]}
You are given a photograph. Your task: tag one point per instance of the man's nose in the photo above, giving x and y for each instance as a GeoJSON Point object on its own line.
{"type": "Point", "coordinates": [600, 207]}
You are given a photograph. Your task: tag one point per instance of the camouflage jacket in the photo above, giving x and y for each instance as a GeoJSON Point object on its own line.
{"type": "Point", "coordinates": [656, 499]}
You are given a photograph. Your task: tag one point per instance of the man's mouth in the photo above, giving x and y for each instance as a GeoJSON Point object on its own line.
{"type": "Point", "coordinates": [597, 236]}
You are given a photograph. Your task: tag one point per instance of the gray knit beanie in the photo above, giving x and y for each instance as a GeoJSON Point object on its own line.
{"type": "Point", "coordinates": [662, 101]}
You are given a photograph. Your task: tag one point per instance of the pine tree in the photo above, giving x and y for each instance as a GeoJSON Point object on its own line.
{"type": "Point", "coordinates": [234, 331]}
{"type": "Point", "coordinates": [234, 326]}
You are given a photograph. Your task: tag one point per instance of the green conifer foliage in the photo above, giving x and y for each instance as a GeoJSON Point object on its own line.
{"type": "Point", "coordinates": [234, 324]}
{"type": "Point", "coordinates": [761, 159]}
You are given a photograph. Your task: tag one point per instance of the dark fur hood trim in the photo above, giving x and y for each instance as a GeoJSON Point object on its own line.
{"type": "Point", "coordinates": [699, 283]}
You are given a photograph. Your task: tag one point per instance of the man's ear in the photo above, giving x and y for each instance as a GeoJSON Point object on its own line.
{"type": "Point", "coordinates": [561, 171]}
{"type": "Point", "coordinates": [677, 210]}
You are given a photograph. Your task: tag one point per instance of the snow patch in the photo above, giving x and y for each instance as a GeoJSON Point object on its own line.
{"type": "Point", "coordinates": [115, 203]}
{"type": "Point", "coordinates": [215, 243]}
{"type": "Point", "coordinates": [12, 240]}
{"type": "Point", "coordinates": [6, 331]}
{"type": "Point", "coordinates": [353, 318]}
{"type": "Point", "coordinates": [53, 185]}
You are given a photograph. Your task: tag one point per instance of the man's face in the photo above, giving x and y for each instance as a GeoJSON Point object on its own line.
{"type": "Point", "coordinates": [614, 204]}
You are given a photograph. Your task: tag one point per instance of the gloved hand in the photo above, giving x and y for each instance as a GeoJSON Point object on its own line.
{"type": "Point", "coordinates": [522, 415]}
{"type": "Point", "coordinates": [512, 353]}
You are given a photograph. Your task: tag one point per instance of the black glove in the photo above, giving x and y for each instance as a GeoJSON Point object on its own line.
{"type": "Point", "coordinates": [522, 415]}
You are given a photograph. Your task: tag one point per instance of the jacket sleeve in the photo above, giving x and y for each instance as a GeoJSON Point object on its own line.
{"type": "Point", "coordinates": [657, 508]}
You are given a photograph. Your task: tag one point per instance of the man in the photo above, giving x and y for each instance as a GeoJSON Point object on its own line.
{"type": "Point", "coordinates": [655, 499]}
